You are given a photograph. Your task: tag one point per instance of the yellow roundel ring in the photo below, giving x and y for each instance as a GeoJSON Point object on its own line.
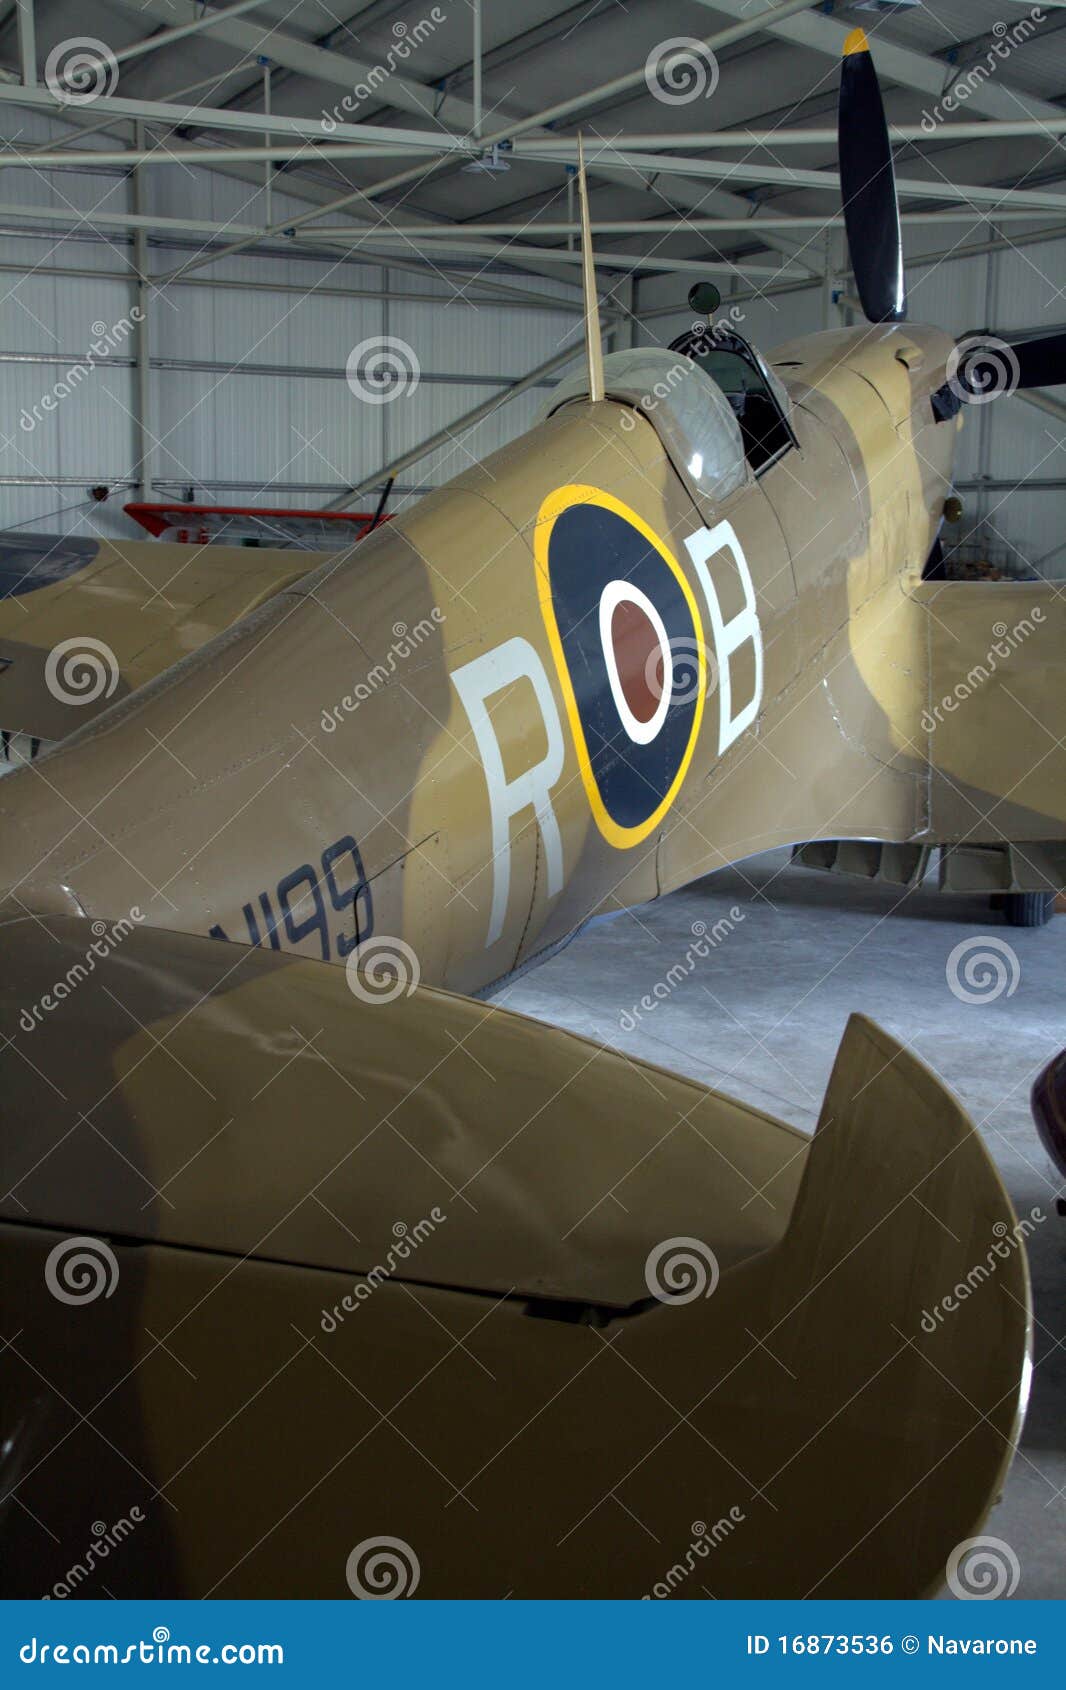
{"type": "Point", "coordinates": [657, 773]}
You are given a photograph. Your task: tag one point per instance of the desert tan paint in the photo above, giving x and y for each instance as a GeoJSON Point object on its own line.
{"type": "Point", "coordinates": [257, 1132]}
{"type": "Point", "coordinates": [243, 763]}
{"type": "Point", "coordinates": [419, 717]}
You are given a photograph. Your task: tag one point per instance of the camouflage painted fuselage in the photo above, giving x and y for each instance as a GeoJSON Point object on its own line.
{"type": "Point", "coordinates": [444, 737]}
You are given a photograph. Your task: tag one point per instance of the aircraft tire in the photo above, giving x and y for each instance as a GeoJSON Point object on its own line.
{"type": "Point", "coordinates": [1028, 909]}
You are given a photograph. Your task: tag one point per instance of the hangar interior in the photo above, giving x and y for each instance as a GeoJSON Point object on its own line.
{"type": "Point", "coordinates": [236, 387]}
{"type": "Point", "coordinates": [306, 258]}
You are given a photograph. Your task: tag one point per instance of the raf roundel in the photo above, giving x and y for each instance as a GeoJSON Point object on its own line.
{"type": "Point", "coordinates": [623, 627]}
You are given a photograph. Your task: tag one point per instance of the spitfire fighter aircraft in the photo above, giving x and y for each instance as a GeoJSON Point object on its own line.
{"type": "Point", "coordinates": [335, 1278]}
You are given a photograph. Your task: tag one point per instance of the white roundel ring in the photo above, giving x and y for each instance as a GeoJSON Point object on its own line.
{"type": "Point", "coordinates": [634, 640]}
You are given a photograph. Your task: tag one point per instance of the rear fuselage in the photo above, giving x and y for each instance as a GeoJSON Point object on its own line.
{"type": "Point", "coordinates": [564, 682]}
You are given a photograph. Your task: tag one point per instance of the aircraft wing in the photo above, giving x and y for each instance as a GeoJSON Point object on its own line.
{"type": "Point", "coordinates": [83, 622]}
{"type": "Point", "coordinates": [966, 681]}
{"type": "Point", "coordinates": [340, 1256]}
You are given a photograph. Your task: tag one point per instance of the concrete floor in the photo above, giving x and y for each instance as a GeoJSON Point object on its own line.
{"type": "Point", "coordinates": [761, 1019]}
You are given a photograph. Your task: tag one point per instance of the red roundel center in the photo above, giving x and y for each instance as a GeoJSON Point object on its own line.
{"type": "Point", "coordinates": [639, 657]}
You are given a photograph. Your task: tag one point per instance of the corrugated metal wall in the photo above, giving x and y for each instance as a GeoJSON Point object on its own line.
{"type": "Point", "coordinates": [234, 433]}
{"type": "Point", "coordinates": [296, 433]}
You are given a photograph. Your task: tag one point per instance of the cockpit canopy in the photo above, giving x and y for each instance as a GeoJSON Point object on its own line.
{"type": "Point", "coordinates": [691, 415]}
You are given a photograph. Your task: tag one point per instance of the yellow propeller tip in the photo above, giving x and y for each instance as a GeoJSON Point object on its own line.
{"type": "Point", "coordinates": [856, 43]}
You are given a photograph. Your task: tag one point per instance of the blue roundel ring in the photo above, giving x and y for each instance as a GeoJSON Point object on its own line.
{"type": "Point", "coordinates": [628, 642]}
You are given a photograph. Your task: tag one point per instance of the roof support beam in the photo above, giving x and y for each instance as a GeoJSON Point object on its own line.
{"type": "Point", "coordinates": [406, 94]}
{"type": "Point", "coordinates": [320, 64]}
{"type": "Point", "coordinates": [297, 148]}
{"type": "Point", "coordinates": [992, 129]}
{"type": "Point", "coordinates": [622, 159]}
{"type": "Point", "coordinates": [165, 37]}
{"type": "Point", "coordinates": [257, 123]}
{"type": "Point", "coordinates": [542, 303]}
{"type": "Point", "coordinates": [27, 34]}
{"type": "Point", "coordinates": [521, 254]}
{"type": "Point", "coordinates": [894, 62]}
{"type": "Point", "coordinates": [936, 189]}
{"type": "Point", "coordinates": [1043, 401]}
{"type": "Point", "coordinates": [446, 237]}
{"type": "Point", "coordinates": [460, 276]}
{"type": "Point", "coordinates": [685, 225]}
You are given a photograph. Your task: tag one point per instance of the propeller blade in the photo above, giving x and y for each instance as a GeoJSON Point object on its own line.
{"type": "Point", "coordinates": [1041, 363]}
{"type": "Point", "coordinates": [868, 184]}
{"type": "Point", "coordinates": [984, 365]}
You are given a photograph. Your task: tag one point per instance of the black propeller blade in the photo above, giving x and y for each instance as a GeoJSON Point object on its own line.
{"type": "Point", "coordinates": [868, 183]}
{"type": "Point", "coordinates": [984, 366]}
{"type": "Point", "coordinates": [1041, 363]}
